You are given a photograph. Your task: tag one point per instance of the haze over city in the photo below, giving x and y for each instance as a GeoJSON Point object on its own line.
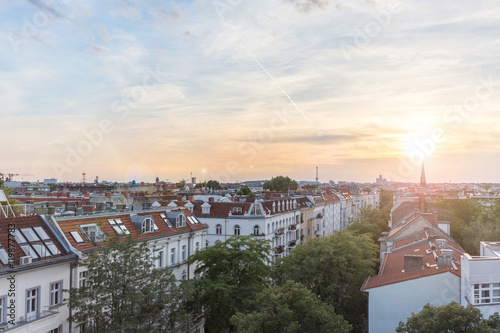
{"type": "Point", "coordinates": [250, 89]}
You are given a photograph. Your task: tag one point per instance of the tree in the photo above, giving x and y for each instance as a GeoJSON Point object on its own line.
{"type": "Point", "coordinates": [181, 183]}
{"type": "Point", "coordinates": [371, 221]}
{"type": "Point", "coordinates": [334, 268]}
{"type": "Point", "coordinates": [449, 318]}
{"type": "Point", "coordinates": [280, 184]}
{"type": "Point", "coordinates": [200, 185]}
{"type": "Point", "coordinates": [124, 292]}
{"type": "Point", "coordinates": [245, 190]}
{"type": "Point", "coordinates": [228, 277]}
{"type": "Point", "coordinates": [213, 184]}
{"type": "Point", "coordinates": [290, 308]}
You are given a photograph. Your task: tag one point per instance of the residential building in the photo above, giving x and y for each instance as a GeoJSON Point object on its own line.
{"type": "Point", "coordinates": [480, 285]}
{"type": "Point", "coordinates": [35, 267]}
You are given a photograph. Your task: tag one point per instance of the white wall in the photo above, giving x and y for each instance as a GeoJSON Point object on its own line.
{"type": "Point", "coordinates": [388, 305]}
{"type": "Point", "coordinates": [42, 278]}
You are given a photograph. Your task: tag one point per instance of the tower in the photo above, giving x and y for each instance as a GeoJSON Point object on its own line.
{"type": "Point", "coordinates": [423, 182]}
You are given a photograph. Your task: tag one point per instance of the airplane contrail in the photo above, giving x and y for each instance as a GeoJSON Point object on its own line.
{"type": "Point", "coordinates": [284, 92]}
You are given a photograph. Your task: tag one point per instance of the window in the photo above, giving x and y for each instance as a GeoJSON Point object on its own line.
{"type": "Point", "coordinates": [236, 230]}
{"type": "Point", "coordinates": [218, 229]}
{"type": "Point", "coordinates": [205, 210]}
{"type": "Point", "coordinates": [197, 246]}
{"type": "Point", "coordinates": [237, 210]}
{"type": "Point", "coordinates": [93, 232]}
{"type": "Point", "coordinates": [56, 330]}
{"type": "Point", "coordinates": [3, 309]}
{"type": "Point", "coordinates": [160, 258]}
{"type": "Point", "coordinates": [184, 275]}
{"type": "Point", "coordinates": [181, 221]}
{"type": "Point", "coordinates": [148, 226]}
{"type": "Point", "coordinates": [82, 281]}
{"type": "Point", "coordinates": [118, 226]}
{"type": "Point", "coordinates": [166, 220]}
{"type": "Point", "coordinates": [256, 230]}
{"type": "Point", "coordinates": [76, 236]}
{"type": "Point", "coordinates": [172, 256]}
{"type": "Point", "coordinates": [184, 253]}
{"type": "Point", "coordinates": [32, 303]}
{"type": "Point", "coordinates": [487, 293]}
{"type": "Point", "coordinates": [55, 293]}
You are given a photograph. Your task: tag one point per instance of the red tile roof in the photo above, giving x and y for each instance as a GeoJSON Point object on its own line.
{"type": "Point", "coordinates": [7, 241]}
{"type": "Point", "coordinates": [392, 268]}
{"type": "Point", "coordinates": [69, 225]}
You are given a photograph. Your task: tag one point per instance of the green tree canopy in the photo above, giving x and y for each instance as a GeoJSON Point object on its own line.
{"type": "Point", "coordinates": [245, 190]}
{"type": "Point", "coordinates": [181, 183]}
{"type": "Point", "coordinates": [449, 318]}
{"type": "Point", "coordinates": [372, 222]}
{"type": "Point", "coordinates": [334, 268]}
{"type": "Point", "coordinates": [213, 184]}
{"type": "Point", "coordinates": [124, 292]}
{"type": "Point", "coordinates": [290, 308]}
{"type": "Point", "coordinates": [228, 277]}
{"type": "Point", "coordinates": [280, 184]}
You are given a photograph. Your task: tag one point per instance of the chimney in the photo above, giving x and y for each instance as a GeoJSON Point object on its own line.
{"type": "Point", "coordinates": [422, 204]}
{"type": "Point", "coordinates": [443, 261]}
{"type": "Point", "coordinates": [211, 199]}
{"type": "Point", "coordinates": [435, 221]}
{"type": "Point", "coordinates": [441, 243]}
{"type": "Point", "coordinates": [413, 262]}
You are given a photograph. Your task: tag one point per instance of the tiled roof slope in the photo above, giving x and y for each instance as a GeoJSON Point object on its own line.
{"type": "Point", "coordinates": [392, 268]}
{"type": "Point", "coordinates": [42, 239]}
{"type": "Point", "coordinates": [72, 225]}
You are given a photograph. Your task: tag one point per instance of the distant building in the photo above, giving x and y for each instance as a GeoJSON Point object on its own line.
{"type": "Point", "coordinates": [50, 181]}
{"type": "Point", "coordinates": [381, 181]}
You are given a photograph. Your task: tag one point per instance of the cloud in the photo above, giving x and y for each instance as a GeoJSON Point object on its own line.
{"type": "Point", "coordinates": [167, 15]}
{"type": "Point", "coordinates": [306, 6]}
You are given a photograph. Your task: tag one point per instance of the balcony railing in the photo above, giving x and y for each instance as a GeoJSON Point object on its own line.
{"type": "Point", "coordinates": [279, 232]}
{"type": "Point", "coordinates": [292, 243]}
{"type": "Point", "coordinates": [279, 249]}
{"type": "Point", "coordinates": [292, 227]}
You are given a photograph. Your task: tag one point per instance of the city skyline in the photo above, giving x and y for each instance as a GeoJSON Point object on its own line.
{"type": "Point", "coordinates": [231, 90]}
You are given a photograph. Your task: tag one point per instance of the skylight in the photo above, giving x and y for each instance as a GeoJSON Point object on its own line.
{"type": "Point", "coordinates": [28, 250]}
{"type": "Point", "coordinates": [41, 233]}
{"type": "Point", "coordinates": [53, 248]}
{"type": "Point", "coordinates": [4, 257]}
{"type": "Point", "coordinates": [76, 236]}
{"type": "Point", "coordinates": [118, 226]}
{"type": "Point", "coordinates": [166, 220]}
{"type": "Point", "coordinates": [30, 234]}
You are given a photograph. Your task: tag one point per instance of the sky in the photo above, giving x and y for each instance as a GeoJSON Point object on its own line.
{"type": "Point", "coordinates": [240, 90]}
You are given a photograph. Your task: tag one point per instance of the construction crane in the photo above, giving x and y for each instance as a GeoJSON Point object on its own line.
{"type": "Point", "coordinates": [11, 175]}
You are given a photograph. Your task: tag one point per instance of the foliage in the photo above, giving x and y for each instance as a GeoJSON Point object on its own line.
{"type": "Point", "coordinates": [290, 308]}
{"type": "Point", "coordinates": [245, 190]}
{"type": "Point", "coordinates": [372, 222]}
{"type": "Point", "coordinates": [213, 184]}
{"type": "Point", "coordinates": [471, 220]}
{"type": "Point", "coordinates": [228, 277]}
{"type": "Point", "coordinates": [53, 187]}
{"type": "Point", "coordinates": [280, 184]}
{"type": "Point", "coordinates": [124, 292]}
{"type": "Point", "coordinates": [334, 268]}
{"type": "Point", "coordinates": [386, 199]}
{"type": "Point", "coordinates": [448, 318]}
{"type": "Point", "coordinates": [200, 185]}
{"type": "Point", "coordinates": [181, 183]}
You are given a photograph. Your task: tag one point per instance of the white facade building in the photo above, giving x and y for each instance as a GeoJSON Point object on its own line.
{"type": "Point", "coordinates": [480, 284]}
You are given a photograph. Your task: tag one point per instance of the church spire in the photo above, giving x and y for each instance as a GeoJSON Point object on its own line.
{"type": "Point", "coordinates": [423, 182]}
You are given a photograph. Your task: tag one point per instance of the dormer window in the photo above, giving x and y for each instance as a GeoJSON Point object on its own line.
{"type": "Point", "coordinates": [279, 206]}
{"type": "Point", "coordinates": [93, 232]}
{"type": "Point", "coordinates": [205, 208]}
{"type": "Point", "coordinates": [181, 221]}
{"type": "Point", "coordinates": [148, 226]}
{"type": "Point", "coordinates": [237, 210]}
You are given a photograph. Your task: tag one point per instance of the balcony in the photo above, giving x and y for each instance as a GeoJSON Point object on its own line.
{"type": "Point", "coordinates": [292, 227]}
{"type": "Point", "coordinates": [279, 232]}
{"type": "Point", "coordinates": [279, 249]}
{"type": "Point", "coordinates": [292, 243]}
